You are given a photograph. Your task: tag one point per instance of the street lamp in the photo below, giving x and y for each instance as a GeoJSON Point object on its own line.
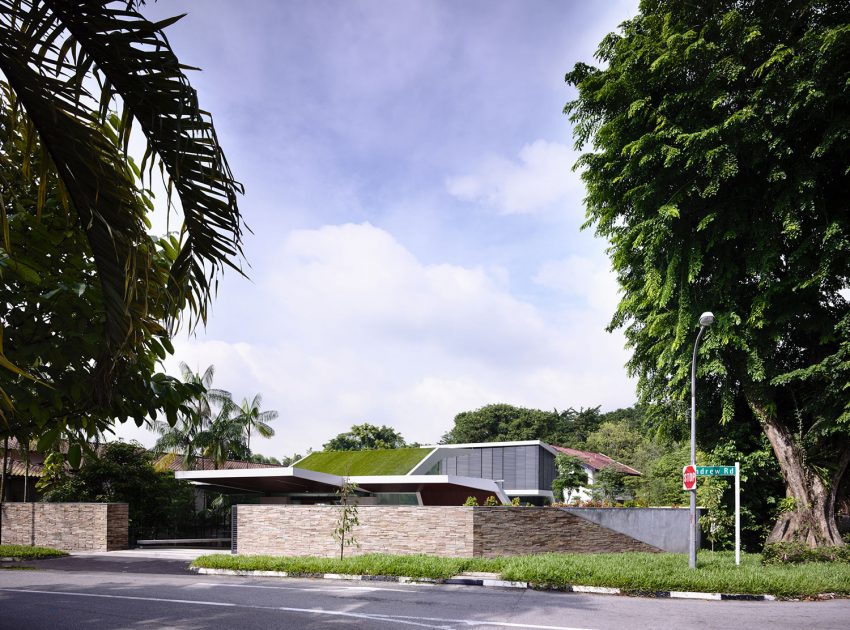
{"type": "Point", "coordinates": [705, 320]}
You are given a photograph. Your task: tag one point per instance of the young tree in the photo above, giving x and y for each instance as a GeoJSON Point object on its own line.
{"type": "Point", "coordinates": [571, 476]}
{"type": "Point", "coordinates": [348, 517]}
{"type": "Point", "coordinates": [608, 484]}
{"type": "Point", "coordinates": [719, 173]}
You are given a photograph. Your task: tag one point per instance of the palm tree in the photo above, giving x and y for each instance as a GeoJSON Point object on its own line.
{"type": "Point", "coordinates": [250, 417]}
{"type": "Point", "coordinates": [66, 63]}
{"type": "Point", "coordinates": [197, 429]}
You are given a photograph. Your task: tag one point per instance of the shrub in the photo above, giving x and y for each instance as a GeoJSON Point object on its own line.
{"type": "Point", "coordinates": [471, 502]}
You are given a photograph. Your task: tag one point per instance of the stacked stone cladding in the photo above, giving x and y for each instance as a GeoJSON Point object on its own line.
{"type": "Point", "coordinates": [66, 526]}
{"type": "Point", "coordinates": [461, 532]}
{"type": "Point", "coordinates": [292, 530]}
{"type": "Point", "coordinates": [515, 531]}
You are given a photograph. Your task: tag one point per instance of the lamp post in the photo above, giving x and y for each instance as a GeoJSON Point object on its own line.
{"type": "Point", "coordinates": [705, 320]}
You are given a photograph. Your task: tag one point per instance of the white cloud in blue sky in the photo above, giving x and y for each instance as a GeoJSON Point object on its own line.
{"type": "Point", "coordinates": [416, 248]}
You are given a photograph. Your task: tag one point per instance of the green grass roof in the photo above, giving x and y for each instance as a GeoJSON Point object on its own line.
{"type": "Point", "coordinates": [395, 461]}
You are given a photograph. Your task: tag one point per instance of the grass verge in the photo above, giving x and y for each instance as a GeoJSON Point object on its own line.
{"type": "Point", "coordinates": [715, 573]}
{"type": "Point", "coordinates": [23, 552]}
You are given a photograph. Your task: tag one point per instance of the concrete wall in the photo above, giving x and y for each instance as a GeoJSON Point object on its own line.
{"type": "Point", "coordinates": [463, 532]}
{"type": "Point", "coordinates": [664, 528]}
{"type": "Point", "coordinates": [66, 526]}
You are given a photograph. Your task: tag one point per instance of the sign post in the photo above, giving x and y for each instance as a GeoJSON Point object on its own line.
{"type": "Point", "coordinates": [720, 471]}
{"type": "Point", "coordinates": [737, 513]}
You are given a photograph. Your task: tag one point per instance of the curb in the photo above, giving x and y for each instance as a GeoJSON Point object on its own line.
{"type": "Point", "coordinates": [465, 581]}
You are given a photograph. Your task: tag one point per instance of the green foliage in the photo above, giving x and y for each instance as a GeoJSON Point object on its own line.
{"type": "Point", "coordinates": [158, 503]}
{"type": "Point", "coordinates": [506, 423]}
{"type": "Point", "coordinates": [399, 461]}
{"type": "Point", "coordinates": [471, 502]}
{"type": "Point", "coordinates": [608, 485]}
{"type": "Point", "coordinates": [798, 553]}
{"type": "Point", "coordinates": [347, 518]}
{"type": "Point", "coordinates": [53, 321]}
{"type": "Point", "coordinates": [718, 174]}
{"type": "Point", "coordinates": [571, 476]}
{"type": "Point", "coordinates": [492, 501]}
{"type": "Point", "coordinates": [717, 523]}
{"type": "Point", "coordinates": [65, 65]}
{"type": "Point", "coordinates": [366, 437]}
{"type": "Point", "coordinates": [25, 552]}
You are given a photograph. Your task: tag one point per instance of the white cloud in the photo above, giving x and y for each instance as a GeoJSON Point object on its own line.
{"type": "Point", "coordinates": [591, 280]}
{"type": "Point", "coordinates": [541, 178]}
{"type": "Point", "coordinates": [363, 331]}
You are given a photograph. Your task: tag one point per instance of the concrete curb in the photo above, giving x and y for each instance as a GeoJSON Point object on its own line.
{"type": "Point", "coordinates": [471, 581]}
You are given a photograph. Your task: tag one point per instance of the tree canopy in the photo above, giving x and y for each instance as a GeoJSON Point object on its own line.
{"type": "Point", "coordinates": [718, 173]}
{"type": "Point", "coordinates": [366, 437]}
{"type": "Point", "coordinates": [505, 423]}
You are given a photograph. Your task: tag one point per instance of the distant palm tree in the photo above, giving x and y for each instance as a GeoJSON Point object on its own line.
{"type": "Point", "coordinates": [250, 417]}
{"type": "Point", "coordinates": [191, 434]}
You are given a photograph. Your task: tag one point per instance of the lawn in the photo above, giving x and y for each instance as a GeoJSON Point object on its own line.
{"type": "Point", "coordinates": [395, 461]}
{"type": "Point", "coordinates": [24, 552]}
{"type": "Point", "coordinates": [716, 572]}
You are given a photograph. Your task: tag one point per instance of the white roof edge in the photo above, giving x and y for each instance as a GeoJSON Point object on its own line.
{"type": "Point", "coordinates": [540, 443]}
{"type": "Point", "coordinates": [536, 492]}
{"type": "Point", "coordinates": [290, 471]}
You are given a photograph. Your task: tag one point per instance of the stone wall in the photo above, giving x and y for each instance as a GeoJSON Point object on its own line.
{"type": "Point", "coordinates": [66, 526]}
{"type": "Point", "coordinates": [464, 532]}
{"type": "Point", "coordinates": [516, 531]}
{"type": "Point", "coordinates": [296, 530]}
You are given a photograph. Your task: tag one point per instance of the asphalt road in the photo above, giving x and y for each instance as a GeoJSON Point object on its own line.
{"type": "Point", "coordinates": [112, 596]}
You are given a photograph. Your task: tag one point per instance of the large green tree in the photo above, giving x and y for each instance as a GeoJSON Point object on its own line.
{"type": "Point", "coordinates": [502, 423]}
{"type": "Point", "coordinates": [719, 171]}
{"type": "Point", "coordinates": [364, 437]}
{"type": "Point", "coordinates": [65, 65]}
{"type": "Point", "coordinates": [52, 311]}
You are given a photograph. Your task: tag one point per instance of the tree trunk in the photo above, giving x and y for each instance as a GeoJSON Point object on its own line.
{"type": "Point", "coordinates": [812, 522]}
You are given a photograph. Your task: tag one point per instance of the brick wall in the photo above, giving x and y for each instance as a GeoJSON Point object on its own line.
{"type": "Point", "coordinates": [66, 526]}
{"type": "Point", "coordinates": [292, 530]}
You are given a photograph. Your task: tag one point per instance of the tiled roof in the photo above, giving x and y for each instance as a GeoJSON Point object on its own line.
{"type": "Point", "coordinates": [173, 462]}
{"type": "Point", "coordinates": [597, 461]}
{"type": "Point", "coordinates": [19, 469]}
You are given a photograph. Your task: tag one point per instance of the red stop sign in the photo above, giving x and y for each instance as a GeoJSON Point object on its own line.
{"type": "Point", "coordinates": [689, 477]}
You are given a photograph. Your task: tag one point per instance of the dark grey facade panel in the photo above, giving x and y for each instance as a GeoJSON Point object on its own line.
{"type": "Point", "coordinates": [528, 467]}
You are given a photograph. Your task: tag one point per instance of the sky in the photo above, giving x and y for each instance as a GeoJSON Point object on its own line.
{"type": "Point", "coordinates": [417, 247]}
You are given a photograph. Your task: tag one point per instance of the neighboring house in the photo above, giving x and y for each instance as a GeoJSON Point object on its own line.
{"type": "Point", "coordinates": [593, 463]}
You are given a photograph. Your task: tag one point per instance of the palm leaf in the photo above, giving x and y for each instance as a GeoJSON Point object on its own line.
{"type": "Point", "coordinates": [49, 51]}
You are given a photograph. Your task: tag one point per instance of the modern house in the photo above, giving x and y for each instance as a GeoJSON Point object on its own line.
{"type": "Point", "coordinates": [433, 475]}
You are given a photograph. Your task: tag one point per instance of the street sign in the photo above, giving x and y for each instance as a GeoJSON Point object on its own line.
{"type": "Point", "coordinates": [689, 477]}
{"type": "Point", "coordinates": [715, 471]}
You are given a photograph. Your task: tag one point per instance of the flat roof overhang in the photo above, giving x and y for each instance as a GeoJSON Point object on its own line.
{"type": "Point", "coordinates": [300, 480]}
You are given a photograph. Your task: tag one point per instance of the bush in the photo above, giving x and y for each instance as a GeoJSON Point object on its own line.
{"type": "Point", "coordinates": [25, 552]}
{"type": "Point", "coordinates": [798, 553]}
